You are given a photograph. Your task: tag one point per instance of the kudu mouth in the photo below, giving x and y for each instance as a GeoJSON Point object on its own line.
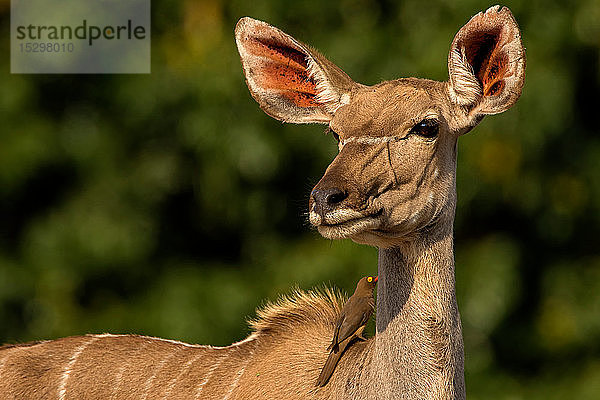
{"type": "Point", "coordinates": [344, 223]}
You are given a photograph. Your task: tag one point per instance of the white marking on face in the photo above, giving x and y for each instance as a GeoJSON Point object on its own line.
{"type": "Point", "coordinates": [369, 140]}
{"type": "Point", "coordinates": [349, 228]}
{"type": "Point", "coordinates": [314, 218]}
{"type": "Point", "coordinates": [334, 217]}
{"type": "Point", "coordinates": [382, 139]}
{"type": "Point", "coordinates": [342, 215]}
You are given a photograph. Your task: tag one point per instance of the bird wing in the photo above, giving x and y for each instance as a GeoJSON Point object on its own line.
{"type": "Point", "coordinates": [336, 332]}
{"type": "Point", "coordinates": [356, 317]}
{"type": "Point", "coordinates": [369, 308]}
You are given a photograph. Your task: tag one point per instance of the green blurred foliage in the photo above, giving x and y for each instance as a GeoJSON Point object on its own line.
{"type": "Point", "coordinates": [170, 205]}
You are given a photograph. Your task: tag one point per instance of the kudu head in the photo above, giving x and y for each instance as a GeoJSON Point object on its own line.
{"type": "Point", "coordinates": [394, 176]}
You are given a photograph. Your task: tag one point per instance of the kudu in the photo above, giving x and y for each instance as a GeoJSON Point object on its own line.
{"type": "Point", "coordinates": [392, 185]}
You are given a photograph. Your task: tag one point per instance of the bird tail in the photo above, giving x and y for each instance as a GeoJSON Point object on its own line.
{"type": "Point", "coordinates": [329, 367]}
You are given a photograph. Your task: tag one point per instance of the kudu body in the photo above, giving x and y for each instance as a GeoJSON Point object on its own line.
{"type": "Point", "coordinates": [392, 185]}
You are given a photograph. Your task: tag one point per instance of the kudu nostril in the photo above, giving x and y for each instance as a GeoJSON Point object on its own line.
{"type": "Point", "coordinates": [326, 200]}
{"type": "Point", "coordinates": [334, 196]}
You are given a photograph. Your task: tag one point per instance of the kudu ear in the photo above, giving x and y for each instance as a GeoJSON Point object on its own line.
{"type": "Point", "coordinates": [487, 64]}
{"type": "Point", "coordinates": [290, 81]}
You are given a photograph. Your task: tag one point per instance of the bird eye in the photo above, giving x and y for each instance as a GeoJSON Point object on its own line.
{"type": "Point", "coordinates": [427, 128]}
{"type": "Point", "coordinates": [369, 279]}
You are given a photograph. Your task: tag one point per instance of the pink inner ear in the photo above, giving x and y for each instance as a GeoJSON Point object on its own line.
{"type": "Point", "coordinates": [489, 63]}
{"type": "Point", "coordinates": [283, 69]}
{"type": "Point", "coordinates": [493, 81]}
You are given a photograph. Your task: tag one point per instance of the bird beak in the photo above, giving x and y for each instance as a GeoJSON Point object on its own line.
{"type": "Point", "coordinates": [375, 280]}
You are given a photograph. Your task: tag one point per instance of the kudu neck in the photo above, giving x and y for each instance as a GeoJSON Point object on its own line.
{"type": "Point", "coordinates": [419, 335]}
{"type": "Point", "coordinates": [422, 270]}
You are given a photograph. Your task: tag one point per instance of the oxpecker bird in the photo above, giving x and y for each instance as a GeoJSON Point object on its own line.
{"type": "Point", "coordinates": [350, 324]}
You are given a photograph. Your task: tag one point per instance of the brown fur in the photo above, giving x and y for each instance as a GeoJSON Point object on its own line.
{"type": "Point", "coordinates": [138, 367]}
{"type": "Point", "coordinates": [395, 189]}
{"type": "Point", "coordinates": [399, 194]}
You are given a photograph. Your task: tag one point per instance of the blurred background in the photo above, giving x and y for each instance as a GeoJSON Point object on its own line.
{"type": "Point", "coordinates": [170, 205]}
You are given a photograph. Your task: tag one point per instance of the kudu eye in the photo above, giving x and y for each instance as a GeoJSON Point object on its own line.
{"type": "Point", "coordinates": [428, 128]}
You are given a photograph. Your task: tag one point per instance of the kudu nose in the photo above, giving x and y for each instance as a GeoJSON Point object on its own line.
{"type": "Point", "coordinates": [327, 200]}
